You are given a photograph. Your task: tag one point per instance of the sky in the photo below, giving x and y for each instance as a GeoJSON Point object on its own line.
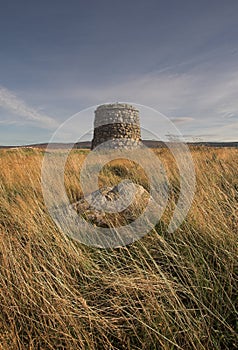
{"type": "Point", "coordinates": [58, 58]}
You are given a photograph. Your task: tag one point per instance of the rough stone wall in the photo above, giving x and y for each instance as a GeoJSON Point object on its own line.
{"type": "Point", "coordinates": [114, 122]}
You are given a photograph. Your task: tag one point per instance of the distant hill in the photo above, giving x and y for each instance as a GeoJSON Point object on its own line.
{"type": "Point", "coordinates": [148, 143]}
{"type": "Point", "coordinates": [85, 144]}
{"type": "Point", "coordinates": [156, 144]}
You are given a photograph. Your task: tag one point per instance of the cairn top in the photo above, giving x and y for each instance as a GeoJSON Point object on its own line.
{"type": "Point", "coordinates": [117, 105]}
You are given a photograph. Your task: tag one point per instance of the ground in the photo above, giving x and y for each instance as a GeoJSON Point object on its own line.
{"type": "Point", "coordinates": [166, 291]}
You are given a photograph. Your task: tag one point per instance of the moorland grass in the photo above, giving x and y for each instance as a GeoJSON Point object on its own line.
{"type": "Point", "coordinates": [167, 291]}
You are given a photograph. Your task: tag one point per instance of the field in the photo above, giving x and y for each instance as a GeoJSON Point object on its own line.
{"type": "Point", "coordinates": [167, 291]}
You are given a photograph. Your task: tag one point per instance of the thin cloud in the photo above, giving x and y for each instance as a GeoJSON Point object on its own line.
{"type": "Point", "coordinates": [181, 120]}
{"type": "Point", "coordinates": [206, 92]}
{"type": "Point", "coordinates": [10, 102]}
{"type": "Point", "coordinates": [8, 122]}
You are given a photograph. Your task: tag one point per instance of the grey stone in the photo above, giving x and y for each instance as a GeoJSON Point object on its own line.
{"type": "Point", "coordinates": [110, 194]}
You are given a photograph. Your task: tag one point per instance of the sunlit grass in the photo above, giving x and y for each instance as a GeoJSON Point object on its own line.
{"type": "Point", "coordinates": [167, 291]}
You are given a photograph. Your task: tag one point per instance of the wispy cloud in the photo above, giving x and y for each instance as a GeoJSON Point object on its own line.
{"type": "Point", "coordinates": [181, 120]}
{"type": "Point", "coordinates": [8, 122]}
{"type": "Point", "coordinates": [10, 102]}
{"type": "Point", "coordinates": [198, 99]}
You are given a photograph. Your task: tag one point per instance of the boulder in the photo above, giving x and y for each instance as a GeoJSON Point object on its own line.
{"type": "Point", "coordinates": [89, 206]}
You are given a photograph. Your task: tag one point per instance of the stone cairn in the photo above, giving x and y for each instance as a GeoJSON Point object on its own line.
{"type": "Point", "coordinates": [114, 122]}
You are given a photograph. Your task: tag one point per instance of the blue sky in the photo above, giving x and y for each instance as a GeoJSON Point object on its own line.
{"type": "Point", "coordinates": [59, 57]}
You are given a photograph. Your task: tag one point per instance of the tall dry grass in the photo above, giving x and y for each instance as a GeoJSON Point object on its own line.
{"type": "Point", "coordinates": [167, 291]}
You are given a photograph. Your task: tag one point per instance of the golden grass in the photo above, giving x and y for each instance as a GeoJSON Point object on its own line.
{"type": "Point", "coordinates": [166, 291]}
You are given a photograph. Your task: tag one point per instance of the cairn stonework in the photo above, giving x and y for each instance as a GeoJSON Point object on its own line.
{"type": "Point", "coordinates": [118, 123]}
